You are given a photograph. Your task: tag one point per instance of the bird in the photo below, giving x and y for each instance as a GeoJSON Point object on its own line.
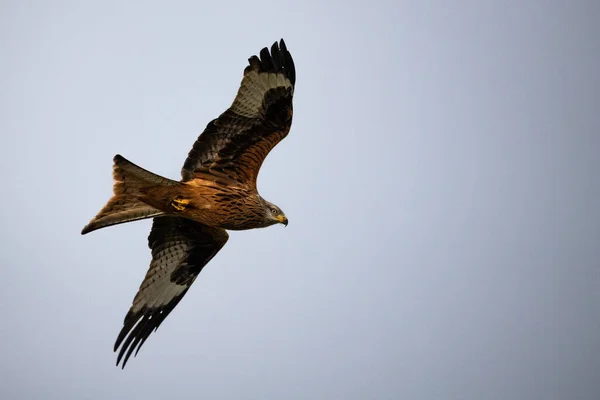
{"type": "Point", "coordinates": [217, 192]}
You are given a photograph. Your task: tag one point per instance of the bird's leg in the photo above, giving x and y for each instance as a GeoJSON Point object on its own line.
{"type": "Point", "coordinates": [180, 203]}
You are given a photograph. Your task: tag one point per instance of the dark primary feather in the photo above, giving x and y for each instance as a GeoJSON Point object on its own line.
{"type": "Point", "coordinates": [236, 144]}
{"type": "Point", "coordinates": [180, 249]}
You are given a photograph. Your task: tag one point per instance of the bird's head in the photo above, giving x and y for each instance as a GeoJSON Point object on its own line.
{"type": "Point", "coordinates": [274, 214]}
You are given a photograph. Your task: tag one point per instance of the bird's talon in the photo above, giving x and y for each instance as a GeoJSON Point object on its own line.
{"type": "Point", "coordinates": [180, 203]}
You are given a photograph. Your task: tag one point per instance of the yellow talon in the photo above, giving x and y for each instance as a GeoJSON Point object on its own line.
{"type": "Point", "coordinates": [180, 203]}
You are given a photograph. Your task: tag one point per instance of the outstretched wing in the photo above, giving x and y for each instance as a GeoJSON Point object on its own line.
{"type": "Point", "coordinates": [180, 249]}
{"type": "Point", "coordinates": [235, 144]}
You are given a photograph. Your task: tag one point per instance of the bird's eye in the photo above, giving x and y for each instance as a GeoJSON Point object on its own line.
{"type": "Point", "coordinates": [273, 211]}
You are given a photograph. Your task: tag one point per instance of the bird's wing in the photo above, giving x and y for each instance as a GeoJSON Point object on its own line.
{"type": "Point", "coordinates": [180, 249]}
{"type": "Point", "coordinates": [235, 145]}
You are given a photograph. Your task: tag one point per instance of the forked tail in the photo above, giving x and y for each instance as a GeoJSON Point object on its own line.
{"type": "Point", "coordinates": [125, 205]}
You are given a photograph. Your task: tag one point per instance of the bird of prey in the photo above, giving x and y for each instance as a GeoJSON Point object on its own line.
{"type": "Point", "coordinates": [217, 192]}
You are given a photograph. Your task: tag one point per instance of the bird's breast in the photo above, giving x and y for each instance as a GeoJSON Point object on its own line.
{"type": "Point", "coordinates": [223, 206]}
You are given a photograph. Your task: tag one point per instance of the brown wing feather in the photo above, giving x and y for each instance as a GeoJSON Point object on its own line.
{"type": "Point", "coordinates": [236, 144]}
{"type": "Point", "coordinates": [180, 249]}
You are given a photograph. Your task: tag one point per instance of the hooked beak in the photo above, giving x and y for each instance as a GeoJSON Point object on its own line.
{"type": "Point", "coordinates": [282, 219]}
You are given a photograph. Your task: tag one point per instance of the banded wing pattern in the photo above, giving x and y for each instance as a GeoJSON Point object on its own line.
{"type": "Point", "coordinates": [180, 249]}
{"type": "Point", "coordinates": [235, 144]}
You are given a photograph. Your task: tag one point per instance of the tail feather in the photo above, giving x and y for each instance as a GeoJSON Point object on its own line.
{"type": "Point", "coordinates": [125, 205]}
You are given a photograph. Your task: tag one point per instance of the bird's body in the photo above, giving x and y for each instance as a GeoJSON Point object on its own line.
{"type": "Point", "coordinates": [211, 201]}
{"type": "Point", "coordinates": [217, 192]}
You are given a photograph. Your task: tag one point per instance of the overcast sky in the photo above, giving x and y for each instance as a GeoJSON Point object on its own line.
{"type": "Point", "coordinates": [441, 180]}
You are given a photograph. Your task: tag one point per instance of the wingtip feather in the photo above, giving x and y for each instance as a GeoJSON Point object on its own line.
{"type": "Point", "coordinates": [278, 59]}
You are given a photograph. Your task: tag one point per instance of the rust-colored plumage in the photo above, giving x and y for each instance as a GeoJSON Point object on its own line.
{"type": "Point", "coordinates": [217, 192]}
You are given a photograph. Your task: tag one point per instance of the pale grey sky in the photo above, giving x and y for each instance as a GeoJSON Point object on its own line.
{"type": "Point", "coordinates": [441, 180]}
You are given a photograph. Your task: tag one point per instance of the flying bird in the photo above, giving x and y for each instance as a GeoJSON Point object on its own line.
{"type": "Point", "coordinates": [217, 192]}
